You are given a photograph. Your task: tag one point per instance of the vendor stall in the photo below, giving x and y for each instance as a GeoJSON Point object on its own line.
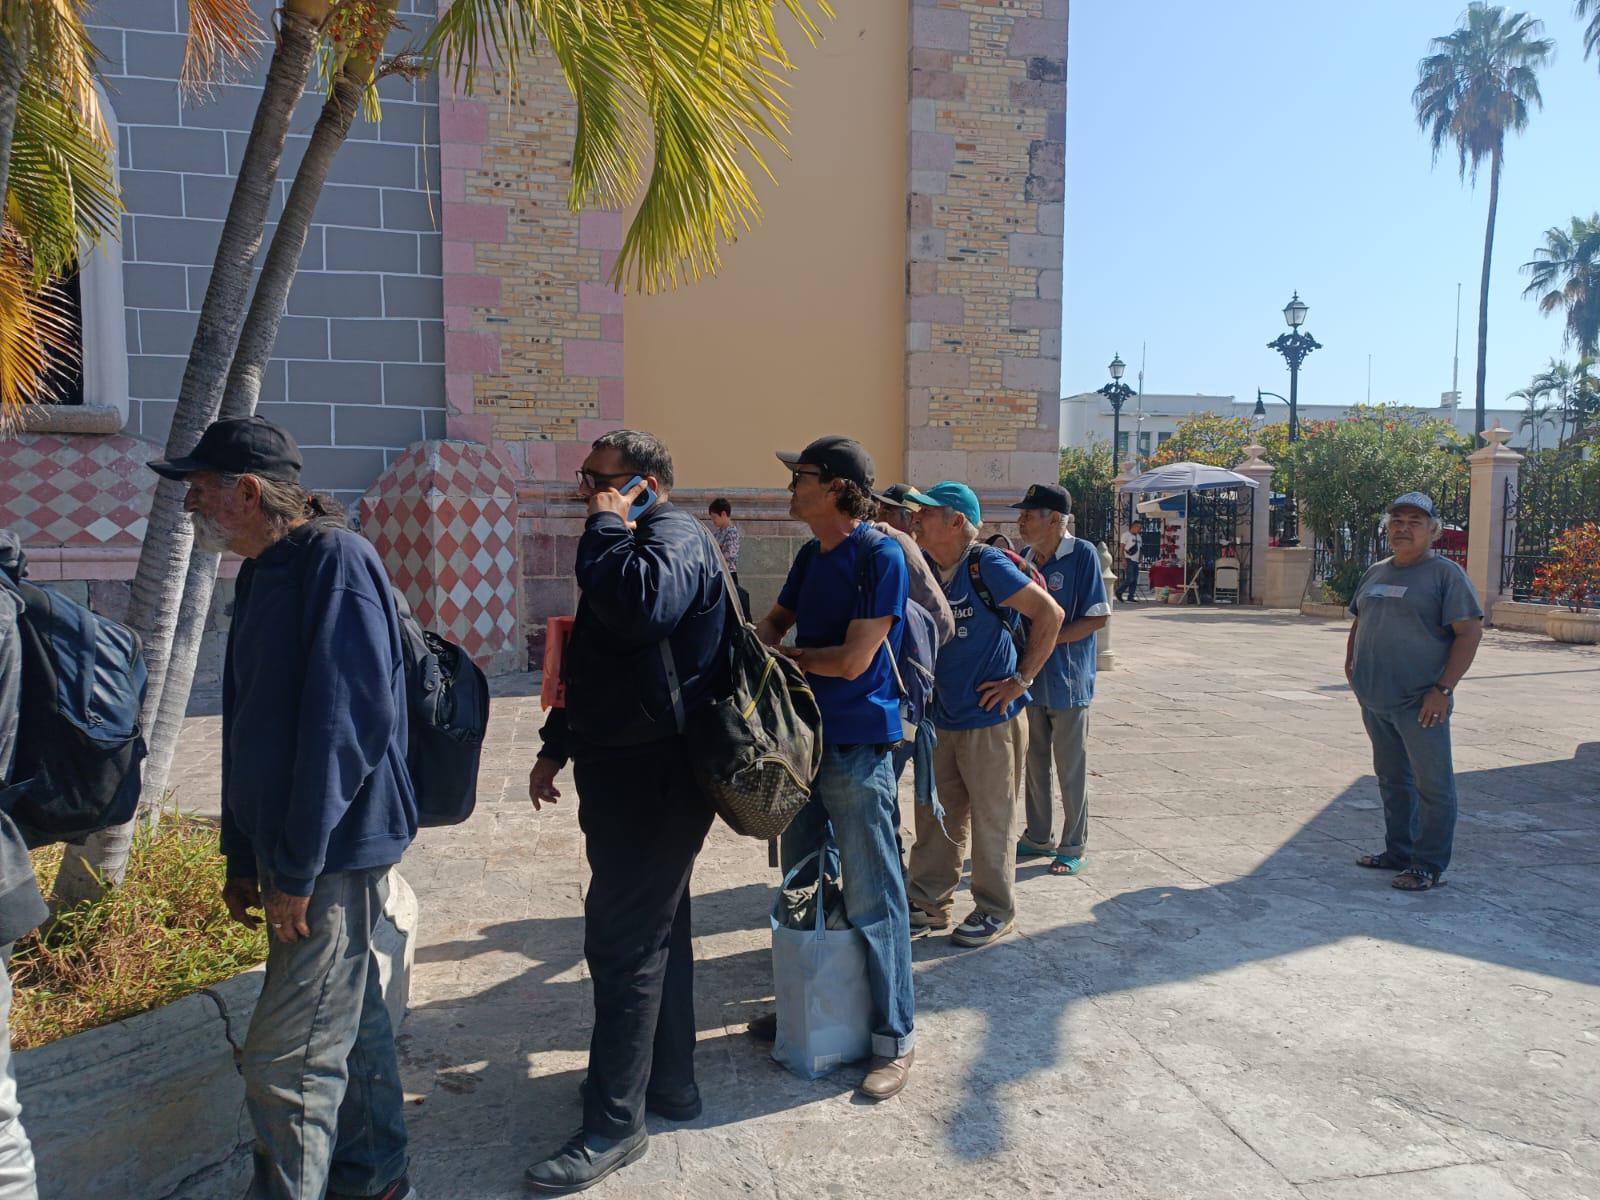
{"type": "Point", "coordinates": [1186, 559]}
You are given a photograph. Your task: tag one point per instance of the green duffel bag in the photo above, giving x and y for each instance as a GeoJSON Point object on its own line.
{"type": "Point", "coordinates": [756, 748]}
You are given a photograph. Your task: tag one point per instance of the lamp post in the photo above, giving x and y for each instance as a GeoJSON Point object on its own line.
{"type": "Point", "coordinates": [1117, 392]}
{"type": "Point", "coordinates": [1294, 346]}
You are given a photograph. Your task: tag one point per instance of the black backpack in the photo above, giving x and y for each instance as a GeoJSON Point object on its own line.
{"type": "Point", "coordinates": [449, 714]}
{"type": "Point", "coordinates": [79, 744]}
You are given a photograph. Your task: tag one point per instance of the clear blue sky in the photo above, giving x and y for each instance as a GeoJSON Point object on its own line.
{"type": "Point", "coordinates": [1221, 156]}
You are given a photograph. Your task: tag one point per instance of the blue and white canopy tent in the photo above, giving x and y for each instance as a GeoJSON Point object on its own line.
{"type": "Point", "coordinates": [1186, 477]}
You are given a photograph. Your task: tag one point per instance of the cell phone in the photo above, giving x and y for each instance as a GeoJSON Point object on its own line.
{"type": "Point", "coordinates": [645, 499]}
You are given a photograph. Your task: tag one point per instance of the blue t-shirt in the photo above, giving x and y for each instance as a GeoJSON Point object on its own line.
{"type": "Point", "coordinates": [826, 590]}
{"type": "Point", "coordinates": [982, 649]}
{"type": "Point", "coordinates": [1073, 580]}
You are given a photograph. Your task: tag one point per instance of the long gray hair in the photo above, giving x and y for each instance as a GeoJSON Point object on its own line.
{"type": "Point", "coordinates": [285, 505]}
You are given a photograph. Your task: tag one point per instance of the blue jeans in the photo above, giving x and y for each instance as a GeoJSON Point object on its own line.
{"type": "Point", "coordinates": [16, 1153]}
{"type": "Point", "coordinates": [322, 1083]}
{"type": "Point", "coordinates": [855, 793]}
{"type": "Point", "coordinates": [1418, 783]}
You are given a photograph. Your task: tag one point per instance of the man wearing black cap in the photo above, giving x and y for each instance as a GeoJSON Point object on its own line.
{"type": "Point", "coordinates": [1417, 628]}
{"type": "Point", "coordinates": [1058, 708]}
{"type": "Point", "coordinates": [317, 805]}
{"type": "Point", "coordinates": [897, 511]}
{"type": "Point", "coordinates": [845, 597]}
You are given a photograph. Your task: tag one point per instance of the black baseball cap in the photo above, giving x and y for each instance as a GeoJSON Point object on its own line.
{"type": "Point", "coordinates": [897, 495]}
{"type": "Point", "coordinates": [838, 457]}
{"type": "Point", "coordinates": [239, 446]}
{"type": "Point", "coordinates": [1051, 496]}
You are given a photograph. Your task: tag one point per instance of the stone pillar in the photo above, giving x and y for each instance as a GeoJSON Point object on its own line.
{"type": "Point", "coordinates": [1491, 466]}
{"type": "Point", "coordinates": [444, 519]}
{"type": "Point", "coordinates": [1105, 659]}
{"type": "Point", "coordinates": [1256, 468]}
{"type": "Point", "coordinates": [985, 188]}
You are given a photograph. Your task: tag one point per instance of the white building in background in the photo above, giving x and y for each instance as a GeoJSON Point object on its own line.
{"type": "Point", "coordinates": [1151, 419]}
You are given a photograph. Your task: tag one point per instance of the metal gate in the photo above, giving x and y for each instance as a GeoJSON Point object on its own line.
{"type": "Point", "coordinates": [1220, 530]}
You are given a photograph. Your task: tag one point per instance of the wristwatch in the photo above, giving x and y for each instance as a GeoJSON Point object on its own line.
{"type": "Point", "coordinates": [1017, 679]}
{"type": "Point", "coordinates": [1444, 691]}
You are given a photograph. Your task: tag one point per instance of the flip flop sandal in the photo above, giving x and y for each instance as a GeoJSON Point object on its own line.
{"type": "Point", "coordinates": [1065, 865]}
{"type": "Point", "coordinates": [1381, 862]}
{"type": "Point", "coordinates": [1415, 879]}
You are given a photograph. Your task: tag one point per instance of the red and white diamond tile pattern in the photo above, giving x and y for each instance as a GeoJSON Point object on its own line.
{"type": "Point", "coordinates": [444, 519]}
{"type": "Point", "coordinates": [76, 490]}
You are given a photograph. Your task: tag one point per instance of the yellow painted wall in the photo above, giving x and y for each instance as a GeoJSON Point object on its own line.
{"type": "Point", "coordinates": [803, 332]}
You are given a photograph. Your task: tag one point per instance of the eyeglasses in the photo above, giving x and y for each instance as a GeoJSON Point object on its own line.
{"type": "Point", "coordinates": [598, 480]}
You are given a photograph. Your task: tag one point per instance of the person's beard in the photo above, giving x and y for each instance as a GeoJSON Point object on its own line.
{"type": "Point", "coordinates": [209, 536]}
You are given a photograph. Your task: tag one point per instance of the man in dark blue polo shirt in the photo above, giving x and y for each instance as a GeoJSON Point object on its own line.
{"type": "Point", "coordinates": [844, 598]}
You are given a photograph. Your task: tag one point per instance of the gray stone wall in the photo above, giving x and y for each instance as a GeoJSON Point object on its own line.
{"type": "Point", "coordinates": [358, 373]}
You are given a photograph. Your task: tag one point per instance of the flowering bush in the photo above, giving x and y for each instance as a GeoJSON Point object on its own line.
{"type": "Point", "coordinates": [1572, 576]}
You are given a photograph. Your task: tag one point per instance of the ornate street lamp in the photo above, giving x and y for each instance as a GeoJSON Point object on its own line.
{"type": "Point", "coordinates": [1117, 392]}
{"type": "Point", "coordinates": [1294, 346]}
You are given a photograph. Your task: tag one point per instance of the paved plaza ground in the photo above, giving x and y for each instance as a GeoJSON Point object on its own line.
{"type": "Point", "coordinates": [1221, 1005]}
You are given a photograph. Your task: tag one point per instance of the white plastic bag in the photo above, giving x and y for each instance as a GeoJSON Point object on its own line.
{"type": "Point", "coordinates": [820, 976]}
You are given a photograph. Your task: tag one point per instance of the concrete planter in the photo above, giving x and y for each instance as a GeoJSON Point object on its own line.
{"type": "Point", "coordinates": [153, 1107]}
{"type": "Point", "coordinates": [1578, 628]}
{"type": "Point", "coordinates": [1315, 608]}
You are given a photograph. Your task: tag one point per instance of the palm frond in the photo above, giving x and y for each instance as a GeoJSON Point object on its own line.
{"type": "Point", "coordinates": [36, 328]}
{"type": "Point", "coordinates": [1480, 82]}
{"type": "Point", "coordinates": [1591, 33]}
{"type": "Point", "coordinates": [694, 88]}
{"type": "Point", "coordinates": [61, 193]}
{"type": "Point", "coordinates": [1564, 275]}
{"type": "Point", "coordinates": [221, 34]}
{"type": "Point", "coordinates": [59, 51]}
{"type": "Point", "coordinates": [353, 47]}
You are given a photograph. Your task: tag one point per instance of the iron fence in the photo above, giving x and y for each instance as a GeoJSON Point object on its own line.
{"type": "Point", "coordinates": [1545, 500]}
{"type": "Point", "coordinates": [1093, 517]}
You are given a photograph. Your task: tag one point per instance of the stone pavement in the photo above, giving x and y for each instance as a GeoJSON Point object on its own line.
{"type": "Point", "coordinates": [1221, 1005]}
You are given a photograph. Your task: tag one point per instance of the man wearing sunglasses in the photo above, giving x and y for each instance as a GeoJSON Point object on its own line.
{"type": "Point", "coordinates": [644, 653]}
{"type": "Point", "coordinates": [845, 597]}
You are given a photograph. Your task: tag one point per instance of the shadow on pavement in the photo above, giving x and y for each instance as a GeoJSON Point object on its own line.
{"type": "Point", "coordinates": [1524, 893]}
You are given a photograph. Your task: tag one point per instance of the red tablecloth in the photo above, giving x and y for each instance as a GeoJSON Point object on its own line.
{"type": "Point", "coordinates": [1170, 577]}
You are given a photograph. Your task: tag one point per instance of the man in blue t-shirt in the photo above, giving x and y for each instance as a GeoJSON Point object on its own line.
{"type": "Point", "coordinates": [981, 683]}
{"type": "Point", "coordinates": [1058, 713]}
{"type": "Point", "coordinates": [844, 598]}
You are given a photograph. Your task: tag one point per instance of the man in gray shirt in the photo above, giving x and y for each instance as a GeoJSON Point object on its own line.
{"type": "Point", "coordinates": [1418, 624]}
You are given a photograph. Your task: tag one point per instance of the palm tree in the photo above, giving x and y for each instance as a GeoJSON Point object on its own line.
{"type": "Point", "coordinates": [56, 190]}
{"type": "Point", "coordinates": [1591, 35]}
{"type": "Point", "coordinates": [1478, 85]}
{"type": "Point", "coordinates": [1536, 411]}
{"type": "Point", "coordinates": [686, 89]}
{"type": "Point", "coordinates": [1575, 391]}
{"type": "Point", "coordinates": [1565, 274]}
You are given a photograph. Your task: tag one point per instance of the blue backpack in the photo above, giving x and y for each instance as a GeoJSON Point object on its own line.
{"type": "Point", "coordinates": [79, 744]}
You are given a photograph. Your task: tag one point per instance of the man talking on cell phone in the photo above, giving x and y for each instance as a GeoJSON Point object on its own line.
{"type": "Point", "coordinates": [644, 653]}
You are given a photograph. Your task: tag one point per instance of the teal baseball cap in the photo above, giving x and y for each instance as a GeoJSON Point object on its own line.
{"type": "Point", "coordinates": [949, 494]}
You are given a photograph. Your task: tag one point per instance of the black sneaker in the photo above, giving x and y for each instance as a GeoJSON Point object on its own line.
{"type": "Point", "coordinates": [764, 1028]}
{"type": "Point", "coordinates": [584, 1161]}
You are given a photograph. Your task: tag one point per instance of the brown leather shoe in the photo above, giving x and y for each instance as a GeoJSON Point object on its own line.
{"type": "Point", "coordinates": [886, 1076]}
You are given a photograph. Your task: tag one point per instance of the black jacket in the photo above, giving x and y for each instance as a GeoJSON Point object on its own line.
{"type": "Point", "coordinates": [659, 581]}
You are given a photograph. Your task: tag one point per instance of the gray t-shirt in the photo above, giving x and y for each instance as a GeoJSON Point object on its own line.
{"type": "Point", "coordinates": [1403, 635]}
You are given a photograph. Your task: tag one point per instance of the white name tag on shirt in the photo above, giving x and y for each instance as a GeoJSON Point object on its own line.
{"type": "Point", "coordinates": [1392, 590]}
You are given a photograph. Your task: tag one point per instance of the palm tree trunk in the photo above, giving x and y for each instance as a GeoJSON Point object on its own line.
{"type": "Point", "coordinates": [13, 57]}
{"type": "Point", "coordinates": [256, 341]}
{"type": "Point", "coordinates": [1483, 292]}
{"type": "Point", "coordinates": [164, 556]}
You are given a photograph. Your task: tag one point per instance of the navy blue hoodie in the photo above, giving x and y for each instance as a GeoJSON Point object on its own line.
{"type": "Point", "coordinates": [314, 714]}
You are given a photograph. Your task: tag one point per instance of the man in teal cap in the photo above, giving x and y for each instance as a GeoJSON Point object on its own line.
{"type": "Point", "coordinates": [981, 685]}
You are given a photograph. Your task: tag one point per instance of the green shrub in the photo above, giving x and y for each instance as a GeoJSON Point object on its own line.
{"type": "Point", "coordinates": [1342, 583]}
{"type": "Point", "coordinates": [164, 934]}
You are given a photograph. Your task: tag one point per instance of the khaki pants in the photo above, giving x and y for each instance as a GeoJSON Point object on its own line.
{"type": "Point", "coordinates": [978, 772]}
{"type": "Point", "coordinates": [1058, 733]}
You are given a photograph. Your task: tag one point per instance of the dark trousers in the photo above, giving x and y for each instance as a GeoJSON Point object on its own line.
{"type": "Point", "coordinates": [644, 821]}
{"type": "Point", "coordinates": [1128, 585]}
